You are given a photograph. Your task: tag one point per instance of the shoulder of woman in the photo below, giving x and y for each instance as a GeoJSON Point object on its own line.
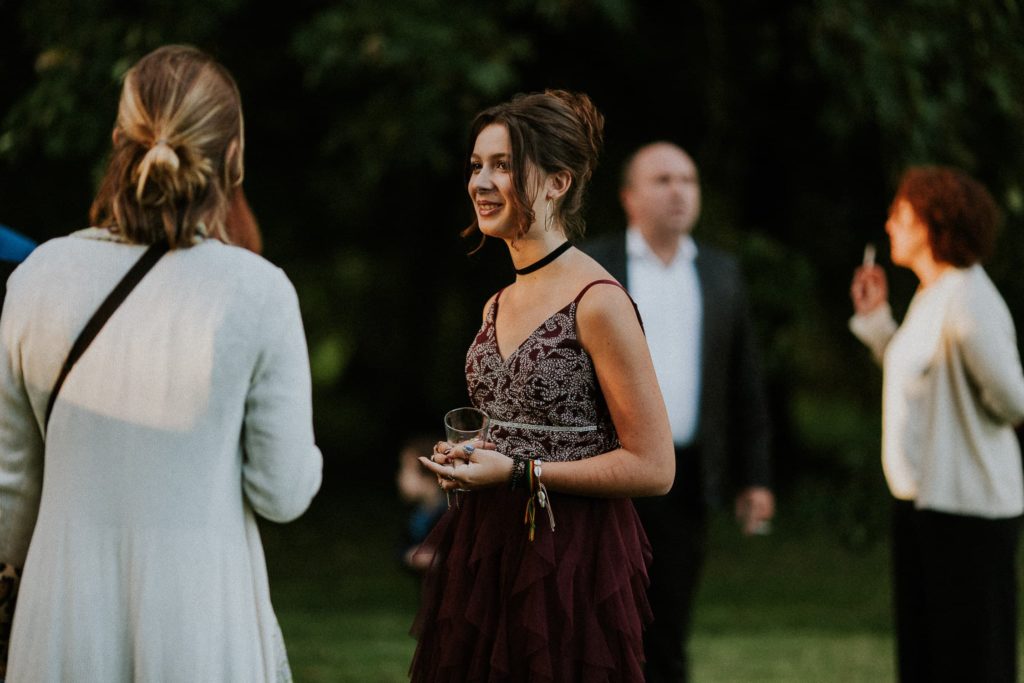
{"type": "Point", "coordinates": [972, 287]}
{"type": "Point", "coordinates": [976, 298]}
{"type": "Point", "coordinates": [604, 307]}
{"type": "Point", "coordinates": [54, 255]}
{"type": "Point", "coordinates": [254, 282]}
{"type": "Point", "coordinates": [244, 262]}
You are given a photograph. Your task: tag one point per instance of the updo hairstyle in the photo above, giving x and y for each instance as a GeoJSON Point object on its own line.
{"type": "Point", "coordinates": [177, 153]}
{"type": "Point", "coordinates": [553, 131]}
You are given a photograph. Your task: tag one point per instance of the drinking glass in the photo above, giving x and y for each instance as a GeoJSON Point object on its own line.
{"type": "Point", "coordinates": [462, 425]}
{"type": "Point", "coordinates": [465, 424]}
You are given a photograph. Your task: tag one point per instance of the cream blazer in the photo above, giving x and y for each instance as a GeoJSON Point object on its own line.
{"type": "Point", "coordinates": [956, 450]}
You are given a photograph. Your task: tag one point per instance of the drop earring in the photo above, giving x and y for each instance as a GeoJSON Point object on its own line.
{"type": "Point", "coordinates": [549, 217]}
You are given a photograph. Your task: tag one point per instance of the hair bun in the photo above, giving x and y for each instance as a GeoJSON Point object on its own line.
{"type": "Point", "coordinates": [161, 161]}
{"type": "Point", "coordinates": [164, 157]}
{"type": "Point", "coordinates": [589, 117]}
{"type": "Point", "coordinates": [170, 175]}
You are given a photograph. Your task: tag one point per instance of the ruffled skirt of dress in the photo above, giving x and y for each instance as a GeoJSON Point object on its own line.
{"type": "Point", "coordinates": [570, 606]}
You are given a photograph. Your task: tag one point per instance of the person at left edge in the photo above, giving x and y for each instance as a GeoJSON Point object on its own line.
{"type": "Point", "coordinates": [188, 415]}
{"type": "Point", "coordinates": [14, 248]}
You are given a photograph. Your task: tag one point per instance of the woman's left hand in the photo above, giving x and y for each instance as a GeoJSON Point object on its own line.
{"type": "Point", "coordinates": [869, 289]}
{"type": "Point", "coordinates": [468, 466]}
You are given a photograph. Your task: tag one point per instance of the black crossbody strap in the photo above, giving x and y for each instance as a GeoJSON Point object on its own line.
{"type": "Point", "coordinates": [103, 313]}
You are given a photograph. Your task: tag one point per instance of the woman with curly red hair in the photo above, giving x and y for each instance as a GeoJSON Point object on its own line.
{"type": "Point", "coordinates": [953, 390]}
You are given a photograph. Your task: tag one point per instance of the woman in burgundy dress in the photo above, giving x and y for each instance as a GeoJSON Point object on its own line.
{"type": "Point", "coordinates": [561, 366]}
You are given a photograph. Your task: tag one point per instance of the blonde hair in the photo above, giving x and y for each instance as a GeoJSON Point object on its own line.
{"type": "Point", "coordinates": [177, 153]}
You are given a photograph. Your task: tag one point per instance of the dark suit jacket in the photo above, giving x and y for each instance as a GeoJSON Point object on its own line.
{"type": "Point", "coordinates": [733, 432]}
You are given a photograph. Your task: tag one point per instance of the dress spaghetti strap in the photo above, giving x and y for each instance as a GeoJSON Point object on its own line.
{"type": "Point", "coordinates": [492, 310]}
{"type": "Point", "coordinates": [598, 282]}
{"type": "Point", "coordinates": [607, 282]}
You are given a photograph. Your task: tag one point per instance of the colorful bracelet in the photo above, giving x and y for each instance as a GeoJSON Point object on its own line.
{"type": "Point", "coordinates": [538, 496]}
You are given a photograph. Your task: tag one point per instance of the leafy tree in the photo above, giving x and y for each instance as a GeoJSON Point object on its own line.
{"type": "Point", "coordinates": [801, 116]}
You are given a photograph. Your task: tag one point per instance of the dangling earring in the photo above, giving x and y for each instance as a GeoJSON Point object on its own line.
{"type": "Point", "coordinates": [549, 217]}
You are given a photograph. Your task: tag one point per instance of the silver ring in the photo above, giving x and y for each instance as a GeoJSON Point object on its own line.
{"type": "Point", "coordinates": [468, 449]}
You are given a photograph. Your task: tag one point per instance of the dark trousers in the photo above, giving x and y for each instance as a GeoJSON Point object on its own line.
{"type": "Point", "coordinates": [955, 596]}
{"type": "Point", "coordinates": [676, 525]}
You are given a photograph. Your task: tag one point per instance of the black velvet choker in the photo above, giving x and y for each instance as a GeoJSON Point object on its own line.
{"type": "Point", "coordinates": [537, 265]}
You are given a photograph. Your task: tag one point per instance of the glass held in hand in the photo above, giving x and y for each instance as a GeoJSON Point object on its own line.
{"type": "Point", "coordinates": [465, 425]}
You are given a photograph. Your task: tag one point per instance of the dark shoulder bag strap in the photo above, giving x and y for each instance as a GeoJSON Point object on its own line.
{"type": "Point", "coordinates": [103, 313]}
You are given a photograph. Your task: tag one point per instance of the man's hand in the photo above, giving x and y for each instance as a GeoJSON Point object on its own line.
{"type": "Point", "coordinates": [755, 508]}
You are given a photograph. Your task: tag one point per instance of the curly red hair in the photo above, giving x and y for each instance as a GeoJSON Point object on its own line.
{"type": "Point", "coordinates": [961, 215]}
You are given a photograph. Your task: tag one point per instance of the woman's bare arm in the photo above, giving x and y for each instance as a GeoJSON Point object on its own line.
{"type": "Point", "coordinates": [644, 465]}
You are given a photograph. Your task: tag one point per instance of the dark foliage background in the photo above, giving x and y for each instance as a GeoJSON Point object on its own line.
{"type": "Point", "coordinates": [800, 114]}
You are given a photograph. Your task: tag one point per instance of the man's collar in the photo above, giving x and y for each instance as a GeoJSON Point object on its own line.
{"type": "Point", "coordinates": [637, 247]}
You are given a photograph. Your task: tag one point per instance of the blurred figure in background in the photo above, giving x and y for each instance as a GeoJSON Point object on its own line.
{"type": "Point", "coordinates": [188, 415]}
{"type": "Point", "coordinates": [417, 487]}
{"type": "Point", "coordinates": [694, 305]}
{"type": "Point", "coordinates": [14, 248]}
{"type": "Point", "coordinates": [952, 392]}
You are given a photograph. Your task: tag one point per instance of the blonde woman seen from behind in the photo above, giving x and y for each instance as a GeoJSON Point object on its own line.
{"type": "Point", "coordinates": [188, 415]}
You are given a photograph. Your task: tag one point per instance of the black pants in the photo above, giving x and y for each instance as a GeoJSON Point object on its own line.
{"type": "Point", "coordinates": [676, 525]}
{"type": "Point", "coordinates": [955, 596]}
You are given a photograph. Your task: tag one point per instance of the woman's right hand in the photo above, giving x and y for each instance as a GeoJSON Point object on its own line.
{"type": "Point", "coordinates": [468, 467]}
{"type": "Point", "coordinates": [869, 289]}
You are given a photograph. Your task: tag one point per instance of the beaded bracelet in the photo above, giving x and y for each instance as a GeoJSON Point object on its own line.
{"type": "Point", "coordinates": [518, 471]}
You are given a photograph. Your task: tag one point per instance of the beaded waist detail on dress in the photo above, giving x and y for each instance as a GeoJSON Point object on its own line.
{"type": "Point", "coordinates": [543, 428]}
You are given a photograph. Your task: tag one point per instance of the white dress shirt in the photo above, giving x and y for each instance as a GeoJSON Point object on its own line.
{"type": "Point", "coordinates": [669, 299]}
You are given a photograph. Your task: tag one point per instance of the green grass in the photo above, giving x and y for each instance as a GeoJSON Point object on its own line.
{"type": "Point", "coordinates": [344, 603]}
{"type": "Point", "coordinates": [798, 605]}
{"type": "Point", "coordinates": [794, 606]}
{"type": "Point", "coordinates": [792, 655]}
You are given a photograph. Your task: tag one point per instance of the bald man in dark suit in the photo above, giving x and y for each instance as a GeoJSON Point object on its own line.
{"type": "Point", "coordinates": [693, 302]}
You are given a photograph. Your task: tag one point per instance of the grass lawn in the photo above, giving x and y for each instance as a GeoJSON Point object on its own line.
{"type": "Point", "coordinates": [794, 606]}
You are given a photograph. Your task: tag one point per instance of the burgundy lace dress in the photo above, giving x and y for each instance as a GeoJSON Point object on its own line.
{"type": "Point", "coordinates": [571, 605]}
